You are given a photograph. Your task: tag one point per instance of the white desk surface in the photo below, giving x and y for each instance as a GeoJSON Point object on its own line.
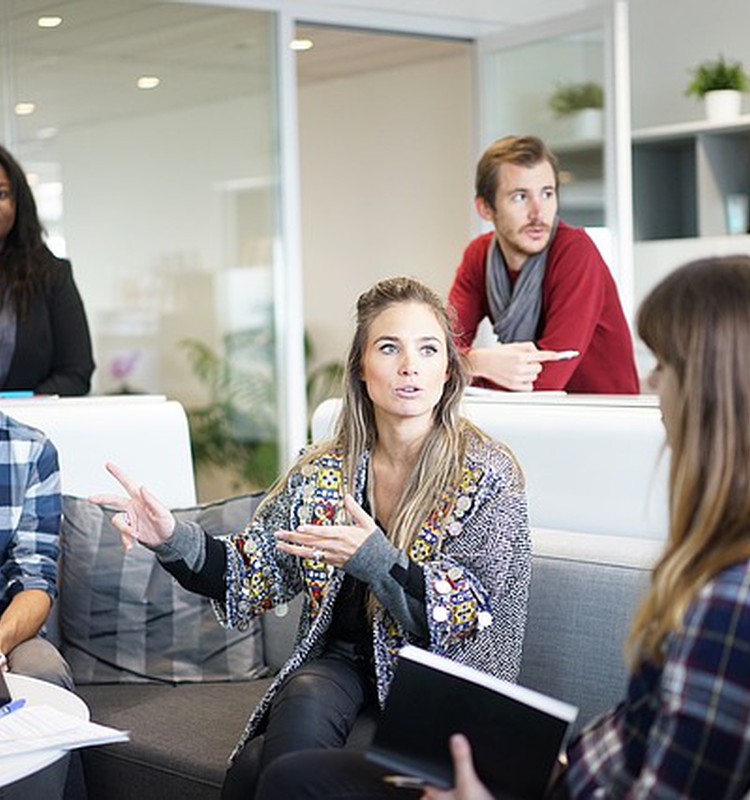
{"type": "Point", "coordinates": [37, 692]}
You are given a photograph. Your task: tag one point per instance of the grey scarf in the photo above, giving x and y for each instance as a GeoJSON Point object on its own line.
{"type": "Point", "coordinates": [515, 310]}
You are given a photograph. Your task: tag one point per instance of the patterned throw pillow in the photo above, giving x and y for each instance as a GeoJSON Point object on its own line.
{"type": "Point", "coordinates": [124, 619]}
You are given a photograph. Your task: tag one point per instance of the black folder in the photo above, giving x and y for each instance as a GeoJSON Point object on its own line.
{"type": "Point", "coordinates": [516, 734]}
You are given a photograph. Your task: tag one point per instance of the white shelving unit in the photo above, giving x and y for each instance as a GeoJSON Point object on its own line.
{"type": "Point", "coordinates": [683, 174]}
{"type": "Point", "coordinates": [582, 197]}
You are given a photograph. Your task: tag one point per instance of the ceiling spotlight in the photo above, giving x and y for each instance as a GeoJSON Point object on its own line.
{"type": "Point", "coordinates": [148, 82]}
{"type": "Point", "coordinates": [50, 21]}
{"type": "Point", "coordinates": [47, 133]}
{"type": "Point", "coordinates": [301, 44]}
{"type": "Point", "coordinates": [24, 109]}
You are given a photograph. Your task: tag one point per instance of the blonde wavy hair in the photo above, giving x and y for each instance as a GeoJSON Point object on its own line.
{"type": "Point", "coordinates": [440, 462]}
{"type": "Point", "coordinates": [697, 322]}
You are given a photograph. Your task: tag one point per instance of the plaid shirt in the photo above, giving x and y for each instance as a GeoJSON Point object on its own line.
{"type": "Point", "coordinates": [30, 506]}
{"type": "Point", "coordinates": [684, 728]}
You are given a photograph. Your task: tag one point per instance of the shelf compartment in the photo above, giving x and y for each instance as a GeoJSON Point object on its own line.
{"type": "Point", "coordinates": [665, 189]}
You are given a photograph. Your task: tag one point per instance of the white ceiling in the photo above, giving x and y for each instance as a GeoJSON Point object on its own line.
{"type": "Point", "coordinates": [85, 70]}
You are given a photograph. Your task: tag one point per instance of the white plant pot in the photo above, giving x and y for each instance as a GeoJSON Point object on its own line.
{"type": "Point", "coordinates": [588, 123]}
{"type": "Point", "coordinates": [722, 104]}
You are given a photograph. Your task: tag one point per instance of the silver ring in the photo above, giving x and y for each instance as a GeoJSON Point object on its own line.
{"type": "Point", "coordinates": [317, 554]}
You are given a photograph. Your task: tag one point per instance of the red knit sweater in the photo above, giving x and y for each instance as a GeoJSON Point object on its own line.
{"type": "Point", "coordinates": [580, 311]}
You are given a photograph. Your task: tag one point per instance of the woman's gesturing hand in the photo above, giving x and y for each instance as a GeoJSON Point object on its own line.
{"type": "Point", "coordinates": [141, 516]}
{"type": "Point", "coordinates": [333, 544]}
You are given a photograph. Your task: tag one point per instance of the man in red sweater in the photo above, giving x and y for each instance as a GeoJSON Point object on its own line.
{"type": "Point", "coordinates": [542, 284]}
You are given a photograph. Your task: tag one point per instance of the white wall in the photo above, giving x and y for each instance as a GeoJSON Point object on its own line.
{"type": "Point", "coordinates": [146, 218]}
{"type": "Point", "coordinates": [387, 186]}
{"type": "Point", "coordinates": [668, 39]}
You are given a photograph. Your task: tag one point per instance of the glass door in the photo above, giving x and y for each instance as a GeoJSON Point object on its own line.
{"type": "Point", "coordinates": [567, 82]}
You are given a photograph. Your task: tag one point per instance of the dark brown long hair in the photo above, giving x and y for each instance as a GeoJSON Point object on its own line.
{"type": "Point", "coordinates": [24, 258]}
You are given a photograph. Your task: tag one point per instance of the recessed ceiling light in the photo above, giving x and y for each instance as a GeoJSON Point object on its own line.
{"type": "Point", "coordinates": [49, 21]}
{"type": "Point", "coordinates": [301, 44]}
{"type": "Point", "coordinates": [148, 82]}
{"type": "Point", "coordinates": [24, 109]}
{"type": "Point", "coordinates": [46, 133]}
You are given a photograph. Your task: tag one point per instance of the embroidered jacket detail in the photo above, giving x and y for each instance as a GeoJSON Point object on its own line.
{"type": "Point", "coordinates": [474, 550]}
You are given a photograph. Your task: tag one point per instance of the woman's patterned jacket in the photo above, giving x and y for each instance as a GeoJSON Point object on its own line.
{"type": "Point", "coordinates": [474, 550]}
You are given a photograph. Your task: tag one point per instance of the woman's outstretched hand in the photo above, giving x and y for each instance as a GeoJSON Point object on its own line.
{"type": "Point", "coordinates": [468, 786]}
{"type": "Point", "coordinates": [141, 516]}
{"type": "Point", "coordinates": [333, 544]}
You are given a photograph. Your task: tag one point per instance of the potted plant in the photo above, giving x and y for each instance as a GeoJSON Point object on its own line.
{"type": "Point", "coordinates": [234, 431]}
{"type": "Point", "coordinates": [720, 84]}
{"type": "Point", "coordinates": [583, 102]}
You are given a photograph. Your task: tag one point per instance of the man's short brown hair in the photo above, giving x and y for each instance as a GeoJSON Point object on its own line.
{"type": "Point", "coordinates": [524, 151]}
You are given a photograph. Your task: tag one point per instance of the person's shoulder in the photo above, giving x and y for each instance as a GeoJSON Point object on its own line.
{"type": "Point", "coordinates": [477, 247]}
{"type": "Point", "coordinates": [11, 428]}
{"type": "Point", "coordinates": [575, 249]}
{"type": "Point", "coordinates": [495, 459]}
{"type": "Point", "coordinates": [569, 236]}
{"type": "Point", "coordinates": [58, 271]}
{"type": "Point", "coordinates": [60, 266]}
{"type": "Point", "coordinates": [730, 584]}
{"type": "Point", "coordinates": [34, 444]}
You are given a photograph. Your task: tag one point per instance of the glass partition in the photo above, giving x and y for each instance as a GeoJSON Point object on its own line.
{"type": "Point", "coordinates": [152, 148]}
{"type": "Point", "coordinates": [554, 88]}
{"type": "Point", "coordinates": [567, 81]}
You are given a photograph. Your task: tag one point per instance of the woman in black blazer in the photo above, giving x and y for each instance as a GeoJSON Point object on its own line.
{"type": "Point", "coordinates": [45, 345]}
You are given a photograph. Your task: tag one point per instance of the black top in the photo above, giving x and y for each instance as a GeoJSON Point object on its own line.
{"type": "Point", "coordinates": [53, 345]}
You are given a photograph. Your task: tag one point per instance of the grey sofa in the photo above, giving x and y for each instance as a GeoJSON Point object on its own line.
{"type": "Point", "coordinates": [593, 473]}
{"type": "Point", "coordinates": [584, 588]}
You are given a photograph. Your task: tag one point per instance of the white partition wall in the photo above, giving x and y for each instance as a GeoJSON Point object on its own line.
{"type": "Point", "coordinates": [593, 464]}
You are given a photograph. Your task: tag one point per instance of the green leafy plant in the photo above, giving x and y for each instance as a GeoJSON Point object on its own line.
{"type": "Point", "coordinates": [712, 76]}
{"type": "Point", "coordinates": [236, 428]}
{"type": "Point", "coordinates": [571, 97]}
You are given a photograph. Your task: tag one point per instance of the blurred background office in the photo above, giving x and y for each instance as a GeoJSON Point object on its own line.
{"type": "Point", "coordinates": [224, 198]}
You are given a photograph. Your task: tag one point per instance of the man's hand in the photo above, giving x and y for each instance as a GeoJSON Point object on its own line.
{"type": "Point", "coordinates": [514, 366]}
{"type": "Point", "coordinates": [468, 786]}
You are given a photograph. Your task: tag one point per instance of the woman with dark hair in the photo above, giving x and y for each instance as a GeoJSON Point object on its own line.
{"type": "Point", "coordinates": [408, 526]}
{"type": "Point", "coordinates": [45, 346]}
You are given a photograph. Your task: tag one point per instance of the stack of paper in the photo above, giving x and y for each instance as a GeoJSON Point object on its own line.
{"type": "Point", "coordinates": [35, 728]}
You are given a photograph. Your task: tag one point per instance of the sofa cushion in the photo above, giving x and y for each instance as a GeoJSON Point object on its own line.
{"type": "Point", "coordinates": [180, 738]}
{"type": "Point", "coordinates": [125, 619]}
{"type": "Point", "coordinates": [584, 590]}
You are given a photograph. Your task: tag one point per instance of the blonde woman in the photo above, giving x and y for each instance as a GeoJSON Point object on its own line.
{"type": "Point", "coordinates": [409, 525]}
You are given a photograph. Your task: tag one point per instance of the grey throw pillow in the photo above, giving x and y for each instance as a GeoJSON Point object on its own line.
{"type": "Point", "coordinates": [124, 619]}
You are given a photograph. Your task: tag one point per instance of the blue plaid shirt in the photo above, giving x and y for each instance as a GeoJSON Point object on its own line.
{"type": "Point", "coordinates": [684, 728]}
{"type": "Point", "coordinates": [30, 505]}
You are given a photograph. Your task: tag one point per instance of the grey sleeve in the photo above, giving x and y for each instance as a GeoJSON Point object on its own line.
{"type": "Point", "coordinates": [187, 543]}
{"type": "Point", "coordinates": [373, 564]}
